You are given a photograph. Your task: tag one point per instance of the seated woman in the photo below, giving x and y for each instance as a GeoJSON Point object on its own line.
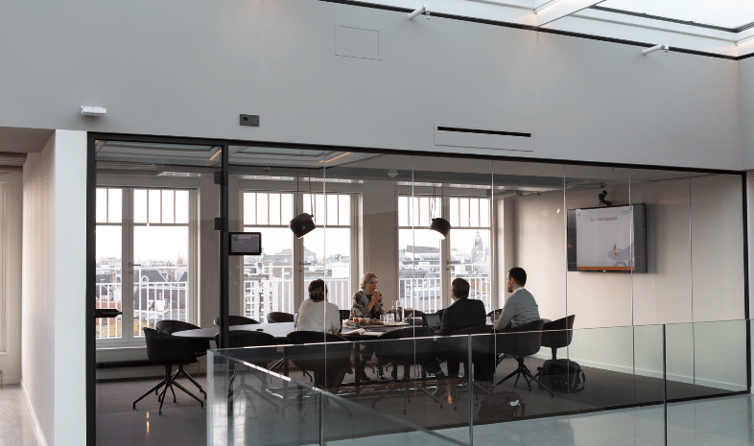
{"type": "Point", "coordinates": [367, 304]}
{"type": "Point", "coordinates": [316, 314]}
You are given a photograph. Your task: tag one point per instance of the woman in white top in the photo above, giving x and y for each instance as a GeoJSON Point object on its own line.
{"type": "Point", "coordinates": [315, 313]}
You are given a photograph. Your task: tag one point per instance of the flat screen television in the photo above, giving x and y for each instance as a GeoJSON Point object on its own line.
{"type": "Point", "coordinates": [245, 243]}
{"type": "Point", "coordinates": [612, 238]}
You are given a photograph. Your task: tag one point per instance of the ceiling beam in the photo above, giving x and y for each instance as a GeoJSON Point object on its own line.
{"type": "Point", "coordinates": [557, 9]}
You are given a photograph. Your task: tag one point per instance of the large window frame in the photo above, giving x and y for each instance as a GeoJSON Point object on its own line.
{"type": "Point", "coordinates": [301, 203]}
{"type": "Point", "coordinates": [128, 226]}
{"type": "Point", "coordinates": [444, 195]}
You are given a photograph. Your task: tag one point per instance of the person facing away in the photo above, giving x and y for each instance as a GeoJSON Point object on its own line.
{"type": "Point", "coordinates": [463, 312]}
{"type": "Point", "coordinates": [315, 313]}
{"type": "Point", "coordinates": [520, 308]}
{"type": "Point", "coordinates": [367, 302]}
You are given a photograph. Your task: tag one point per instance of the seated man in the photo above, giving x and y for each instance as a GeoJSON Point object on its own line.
{"type": "Point", "coordinates": [462, 313]}
{"type": "Point", "coordinates": [520, 308]}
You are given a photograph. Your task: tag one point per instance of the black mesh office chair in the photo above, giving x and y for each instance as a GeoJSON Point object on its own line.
{"type": "Point", "coordinates": [558, 333]}
{"type": "Point", "coordinates": [399, 349]}
{"type": "Point", "coordinates": [326, 356]}
{"type": "Point", "coordinates": [520, 342]}
{"type": "Point", "coordinates": [237, 320]}
{"type": "Point", "coordinates": [278, 316]}
{"type": "Point", "coordinates": [168, 350]}
{"type": "Point", "coordinates": [455, 347]}
{"type": "Point", "coordinates": [238, 339]}
{"type": "Point", "coordinates": [482, 350]}
{"type": "Point", "coordinates": [200, 346]}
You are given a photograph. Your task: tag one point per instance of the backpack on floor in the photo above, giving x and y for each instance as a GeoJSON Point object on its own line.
{"type": "Point", "coordinates": [561, 375]}
{"type": "Point", "coordinates": [502, 406]}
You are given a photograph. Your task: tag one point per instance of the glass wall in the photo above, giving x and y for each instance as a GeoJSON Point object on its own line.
{"type": "Point", "coordinates": [634, 255]}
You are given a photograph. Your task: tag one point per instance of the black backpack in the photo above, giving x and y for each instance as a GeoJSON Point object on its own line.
{"type": "Point", "coordinates": [504, 406]}
{"type": "Point", "coordinates": [561, 375]}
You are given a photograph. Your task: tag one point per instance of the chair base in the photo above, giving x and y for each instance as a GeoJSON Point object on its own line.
{"type": "Point", "coordinates": [182, 371]}
{"type": "Point", "coordinates": [406, 384]}
{"type": "Point", "coordinates": [528, 377]}
{"type": "Point", "coordinates": [168, 383]}
{"type": "Point", "coordinates": [246, 389]}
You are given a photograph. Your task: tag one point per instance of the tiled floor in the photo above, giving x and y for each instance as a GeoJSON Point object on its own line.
{"type": "Point", "coordinates": [717, 421]}
{"type": "Point", "coordinates": [16, 425]}
{"type": "Point", "coordinates": [723, 421]}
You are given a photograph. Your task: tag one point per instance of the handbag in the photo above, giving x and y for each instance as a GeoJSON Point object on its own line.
{"type": "Point", "coordinates": [501, 407]}
{"type": "Point", "coordinates": [561, 375]}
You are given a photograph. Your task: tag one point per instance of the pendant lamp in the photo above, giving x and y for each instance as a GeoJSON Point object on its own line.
{"type": "Point", "coordinates": [303, 224]}
{"type": "Point", "coordinates": [439, 225]}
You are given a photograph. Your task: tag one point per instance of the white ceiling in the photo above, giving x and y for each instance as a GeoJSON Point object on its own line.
{"type": "Point", "coordinates": [709, 26]}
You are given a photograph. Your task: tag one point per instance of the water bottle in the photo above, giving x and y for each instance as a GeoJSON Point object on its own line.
{"type": "Point", "coordinates": [398, 311]}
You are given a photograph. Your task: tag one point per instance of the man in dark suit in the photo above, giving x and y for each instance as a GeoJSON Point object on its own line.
{"type": "Point", "coordinates": [462, 313]}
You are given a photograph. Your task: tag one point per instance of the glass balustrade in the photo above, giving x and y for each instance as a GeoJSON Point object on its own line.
{"type": "Point", "coordinates": [658, 384]}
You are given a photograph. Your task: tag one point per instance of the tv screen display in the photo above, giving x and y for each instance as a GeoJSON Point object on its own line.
{"type": "Point", "coordinates": [610, 238]}
{"type": "Point", "coordinates": [246, 243]}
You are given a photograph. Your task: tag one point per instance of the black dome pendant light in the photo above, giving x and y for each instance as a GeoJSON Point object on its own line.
{"type": "Point", "coordinates": [303, 224]}
{"type": "Point", "coordinates": [439, 224]}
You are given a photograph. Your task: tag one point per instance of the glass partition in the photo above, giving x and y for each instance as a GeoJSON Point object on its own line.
{"type": "Point", "coordinates": [309, 416]}
{"type": "Point", "coordinates": [271, 395]}
{"type": "Point", "coordinates": [626, 252]}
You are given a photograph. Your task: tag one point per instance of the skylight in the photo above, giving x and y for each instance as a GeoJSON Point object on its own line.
{"type": "Point", "coordinates": [727, 14]}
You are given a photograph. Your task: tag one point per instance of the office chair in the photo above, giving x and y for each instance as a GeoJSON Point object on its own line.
{"type": "Point", "coordinates": [325, 356]}
{"type": "Point", "coordinates": [236, 320]}
{"type": "Point", "coordinates": [165, 349]}
{"type": "Point", "coordinates": [520, 342]}
{"type": "Point", "coordinates": [200, 346]}
{"type": "Point", "coordinates": [401, 347]}
{"type": "Point", "coordinates": [259, 357]}
{"type": "Point", "coordinates": [278, 316]}
{"type": "Point", "coordinates": [558, 333]}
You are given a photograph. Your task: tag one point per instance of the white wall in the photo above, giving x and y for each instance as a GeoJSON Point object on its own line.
{"type": "Point", "coordinates": [10, 356]}
{"type": "Point", "coordinates": [380, 236]}
{"type": "Point", "coordinates": [694, 228]}
{"type": "Point", "coordinates": [189, 67]}
{"type": "Point", "coordinates": [746, 111]}
{"type": "Point", "coordinates": [54, 278]}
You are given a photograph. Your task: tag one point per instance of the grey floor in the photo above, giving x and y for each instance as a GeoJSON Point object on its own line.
{"type": "Point", "coordinates": [16, 425]}
{"type": "Point", "coordinates": [715, 421]}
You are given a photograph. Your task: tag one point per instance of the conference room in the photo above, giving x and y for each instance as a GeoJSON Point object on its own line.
{"type": "Point", "coordinates": [650, 262]}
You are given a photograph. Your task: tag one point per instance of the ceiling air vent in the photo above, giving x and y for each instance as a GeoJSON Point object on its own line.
{"type": "Point", "coordinates": [515, 140]}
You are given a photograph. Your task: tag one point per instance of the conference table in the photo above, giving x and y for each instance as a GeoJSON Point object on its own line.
{"type": "Point", "coordinates": [280, 332]}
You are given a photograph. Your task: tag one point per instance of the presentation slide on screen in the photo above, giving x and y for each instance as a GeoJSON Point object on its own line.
{"type": "Point", "coordinates": [603, 239]}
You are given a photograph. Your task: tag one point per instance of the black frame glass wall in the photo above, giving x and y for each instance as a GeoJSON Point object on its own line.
{"type": "Point", "coordinates": [626, 249]}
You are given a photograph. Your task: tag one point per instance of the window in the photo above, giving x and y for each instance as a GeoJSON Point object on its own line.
{"type": "Point", "coordinates": [270, 279]}
{"type": "Point", "coordinates": [420, 256]}
{"type": "Point", "coordinates": [143, 238]}
{"type": "Point", "coordinates": [470, 245]}
{"type": "Point", "coordinates": [465, 253]}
